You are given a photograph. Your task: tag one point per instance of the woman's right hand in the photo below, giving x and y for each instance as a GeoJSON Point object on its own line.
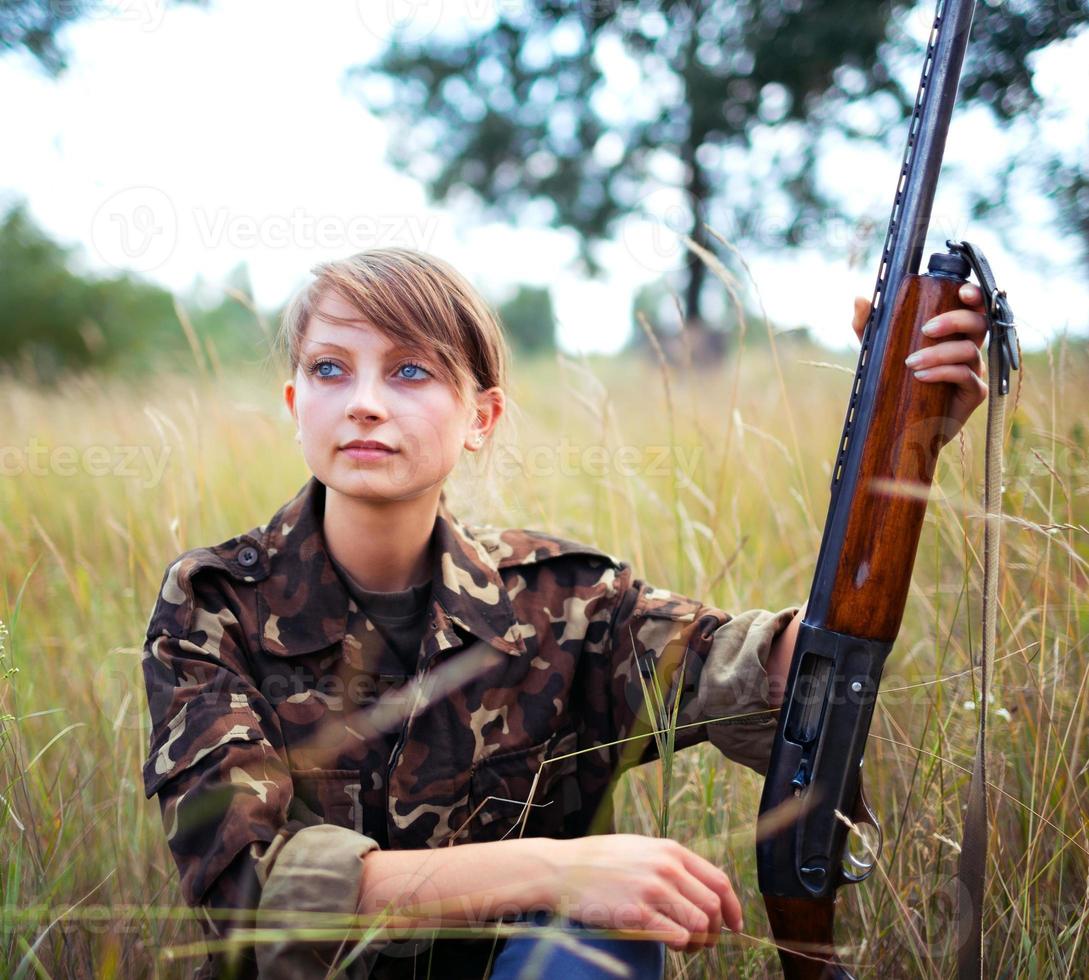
{"type": "Point", "coordinates": [628, 881]}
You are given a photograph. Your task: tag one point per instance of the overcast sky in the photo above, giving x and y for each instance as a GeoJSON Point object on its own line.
{"type": "Point", "coordinates": [183, 141]}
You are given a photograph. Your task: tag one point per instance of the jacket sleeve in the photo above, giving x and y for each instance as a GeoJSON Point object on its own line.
{"type": "Point", "coordinates": [216, 760]}
{"type": "Point", "coordinates": [659, 641]}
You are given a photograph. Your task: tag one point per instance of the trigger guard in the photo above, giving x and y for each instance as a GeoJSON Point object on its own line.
{"type": "Point", "coordinates": [862, 815]}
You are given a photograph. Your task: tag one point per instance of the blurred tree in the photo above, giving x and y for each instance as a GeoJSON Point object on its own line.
{"type": "Point", "coordinates": [659, 307]}
{"type": "Point", "coordinates": [570, 113]}
{"type": "Point", "coordinates": [54, 320]}
{"type": "Point", "coordinates": [51, 318]}
{"type": "Point", "coordinates": [1072, 187]}
{"type": "Point", "coordinates": [529, 320]}
{"type": "Point", "coordinates": [34, 25]}
{"type": "Point", "coordinates": [1006, 41]}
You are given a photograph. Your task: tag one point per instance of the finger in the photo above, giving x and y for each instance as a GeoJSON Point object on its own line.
{"type": "Point", "coordinates": [686, 917]}
{"type": "Point", "coordinates": [663, 928]}
{"type": "Point", "coordinates": [689, 915]}
{"type": "Point", "coordinates": [685, 898]}
{"type": "Point", "coordinates": [731, 909]}
{"type": "Point", "coordinates": [708, 902]}
{"type": "Point", "coordinates": [967, 322]}
{"type": "Point", "coordinates": [969, 384]}
{"type": "Point", "coordinates": [719, 882]}
{"type": "Point", "coordinates": [947, 352]}
{"type": "Point", "coordinates": [971, 295]}
{"type": "Point", "coordinates": [861, 315]}
{"type": "Point", "coordinates": [661, 893]}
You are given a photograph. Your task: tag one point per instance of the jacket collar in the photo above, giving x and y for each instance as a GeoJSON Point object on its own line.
{"type": "Point", "coordinates": [303, 605]}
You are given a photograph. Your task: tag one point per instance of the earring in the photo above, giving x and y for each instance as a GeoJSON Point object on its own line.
{"type": "Point", "coordinates": [478, 441]}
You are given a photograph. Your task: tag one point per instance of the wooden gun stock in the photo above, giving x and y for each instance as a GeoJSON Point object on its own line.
{"type": "Point", "coordinates": [808, 953]}
{"type": "Point", "coordinates": [909, 426]}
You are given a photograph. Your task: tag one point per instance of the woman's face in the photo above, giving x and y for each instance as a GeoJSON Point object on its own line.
{"type": "Point", "coordinates": [354, 384]}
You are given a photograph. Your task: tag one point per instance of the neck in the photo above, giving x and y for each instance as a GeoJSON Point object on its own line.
{"type": "Point", "coordinates": [385, 546]}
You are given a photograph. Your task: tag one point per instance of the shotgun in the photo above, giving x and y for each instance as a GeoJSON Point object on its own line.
{"type": "Point", "coordinates": [816, 830]}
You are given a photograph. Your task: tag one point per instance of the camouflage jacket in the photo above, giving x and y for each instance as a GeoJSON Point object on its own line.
{"type": "Point", "coordinates": [269, 736]}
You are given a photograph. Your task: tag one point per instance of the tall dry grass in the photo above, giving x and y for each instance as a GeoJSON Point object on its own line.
{"type": "Point", "coordinates": [713, 482]}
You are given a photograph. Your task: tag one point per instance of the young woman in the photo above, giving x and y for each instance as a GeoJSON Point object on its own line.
{"type": "Point", "coordinates": [338, 694]}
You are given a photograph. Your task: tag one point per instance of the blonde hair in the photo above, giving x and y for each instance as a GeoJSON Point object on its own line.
{"type": "Point", "coordinates": [418, 300]}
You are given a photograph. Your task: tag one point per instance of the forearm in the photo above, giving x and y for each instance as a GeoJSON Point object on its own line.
{"type": "Point", "coordinates": [468, 883]}
{"type": "Point", "coordinates": [778, 664]}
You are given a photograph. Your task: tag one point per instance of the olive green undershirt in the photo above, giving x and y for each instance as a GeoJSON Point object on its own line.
{"type": "Point", "coordinates": [400, 618]}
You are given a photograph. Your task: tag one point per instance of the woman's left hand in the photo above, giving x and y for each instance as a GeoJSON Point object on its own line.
{"type": "Point", "coordinates": [956, 360]}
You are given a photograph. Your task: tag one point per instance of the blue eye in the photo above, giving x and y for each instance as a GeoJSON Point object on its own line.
{"type": "Point", "coordinates": [411, 366]}
{"type": "Point", "coordinates": [318, 368]}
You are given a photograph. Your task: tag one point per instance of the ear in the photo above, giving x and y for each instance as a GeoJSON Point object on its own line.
{"type": "Point", "coordinates": [490, 405]}
{"type": "Point", "coordinates": [289, 399]}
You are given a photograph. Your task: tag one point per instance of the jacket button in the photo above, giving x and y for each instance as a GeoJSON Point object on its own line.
{"type": "Point", "coordinates": [247, 557]}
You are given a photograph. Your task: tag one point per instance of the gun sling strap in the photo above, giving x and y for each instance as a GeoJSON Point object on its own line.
{"type": "Point", "coordinates": [1002, 354]}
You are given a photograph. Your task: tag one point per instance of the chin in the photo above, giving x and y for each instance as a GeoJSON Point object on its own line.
{"type": "Point", "coordinates": [376, 488]}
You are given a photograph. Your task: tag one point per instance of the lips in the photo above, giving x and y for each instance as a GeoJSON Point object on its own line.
{"type": "Point", "coordinates": [373, 444]}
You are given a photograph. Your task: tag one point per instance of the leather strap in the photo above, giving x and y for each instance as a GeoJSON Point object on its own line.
{"type": "Point", "coordinates": [1002, 354]}
{"type": "Point", "coordinates": [999, 315]}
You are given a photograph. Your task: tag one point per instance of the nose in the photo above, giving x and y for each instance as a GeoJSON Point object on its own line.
{"type": "Point", "coordinates": [365, 400]}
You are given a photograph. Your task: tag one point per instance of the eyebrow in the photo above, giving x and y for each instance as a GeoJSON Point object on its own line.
{"type": "Point", "coordinates": [392, 352]}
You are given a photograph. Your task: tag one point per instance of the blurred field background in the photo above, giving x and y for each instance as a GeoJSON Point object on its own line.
{"type": "Point", "coordinates": [542, 147]}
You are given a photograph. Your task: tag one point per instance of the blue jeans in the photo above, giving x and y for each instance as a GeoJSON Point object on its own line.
{"type": "Point", "coordinates": [526, 958]}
